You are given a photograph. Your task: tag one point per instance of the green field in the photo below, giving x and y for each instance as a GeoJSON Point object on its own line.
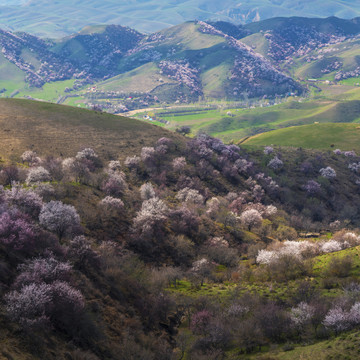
{"type": "Point", "coordinates": [49, 92]}
{"type": "Point", "coordinates": [235, 124]}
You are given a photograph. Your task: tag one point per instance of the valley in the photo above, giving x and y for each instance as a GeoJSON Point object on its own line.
{"type": "Point", "coordinates": [203, 75]}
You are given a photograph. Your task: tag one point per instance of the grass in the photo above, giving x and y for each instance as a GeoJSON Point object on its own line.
{"type": "Point", "coordinates": [322, 261]}
{"type": "Point", "coordinates": [315, 136]}
{"type": "Point", "coordinates": [246, 122]}
{"type": "Point", "coordinates": [49, 92]}
{"type": "Point", "coordinates": [11, 77]}
{"type": "Point", "coordinates": [343, 347]}
{"type": "Point", "coordinates": [143, 79]}
{"type": "Point", "coordinates": [60, 130]}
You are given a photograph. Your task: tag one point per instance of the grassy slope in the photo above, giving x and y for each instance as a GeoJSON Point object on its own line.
{"type": "Point", "coordinates": [316, 136]}
{"type": "Point", "coordinates": [245, 122]}
{"type": "Point", "coordinates": [11, 77]}
{"type": "Point", "coordinates": [344, 346]}
{"type": "Point", "coordinates": [258, 42]}
{"type": "Point", "coordinates": [346, 53]}
{"type": "Point", "coordinates": [142, 79]}
{"type": "Point", "coordinates": [188, 41]}
{"type": "Point", "coordinates": [57, 129]}
{"type": "Point", "coordinates": [189, 38]}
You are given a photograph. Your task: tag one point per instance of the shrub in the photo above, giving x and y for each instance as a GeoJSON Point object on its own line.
{"type": "Point", "coordinates": [44, 190]}
{"type": "Point", "coordinates": [30, 157]}
{"type": "Point", "coordinates": [147, 191]}
{"type": "Point", "coordinates": [81, 254]}
{"type": "Point", "coordinates": [16, 231]}
{"type": "Point", "coordinates": [328, 173]}
{"type": "Point", "coordinates": [54, 166]}
{"type": "Point", "coordinates": [190, 195]}
{"type": "Point", "coordinates": [153, 213]}
{"type": "Point", "coordinates": [286, 232]}
{"type": "Point", "coordinates": [35, 305]}
{"type": "Point", "coordinates": [110, 204]}
{"type": "Point", "coordinates": [200, 322]}
{"type": "Point", "coordinates": [9, 174]}
{"type": "Point", "coordinates": [288, 267]}
{"type": "Point", "coordinates": [330, 246]}
{"type": "Point", "coordinates": [251, 218]}
{"type": "Point", "coordinates": [66, 298]}
{"type": "Point", "coordinates": [147, 155]}
{"type": "Point", "coordinates": [302, 314]}
{"type": "Point", "coordinates": [132, 162]}
{"type": "Point", "coordinates": [115, 185]}
{"type": "Point", "coordinates": [337, 319]}
{"type": "Point", "coordinates": [59, 218]}
{"type": "Point", "coordinates": [312, 187]}
{"type": "Point", "coordinates": [185, 130]}
{"type": "Point", "coordinates": [274, 321]}
{"type": "Point", "coordinates": [43, 270]}
{"type": "Point", "coordinates": [213, 206]}
{"type": "Point", "coordinates": [114, 166]}
{"type": "Point", "coordinates": [38, 174]}
{"type": "Point", "coordinates": [201, 269]}
{"type": "Point", "coordinates": [30, 306]}
{"type": "Point", "coordinates": [275, 163]}
{"type": "Point", "coordinates": [26, 200]}
{"type": "Point", "coordinates": [268, 150]}
{"type": "Point", "coordinates": [339, 267]}
{"type": "Point", "coordinates": [86, 153]}
{"type": "Point", "coordinates": [179, 163]}
{"type": "Point", "coordinates": [223, 255]}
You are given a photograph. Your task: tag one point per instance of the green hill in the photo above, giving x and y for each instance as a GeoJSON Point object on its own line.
{"type": "Point", "coordinates": [315, 136]}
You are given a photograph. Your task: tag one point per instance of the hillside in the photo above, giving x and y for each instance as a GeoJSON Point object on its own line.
{"type": "Point", "coordinates": [200, 60]}
{"type": "Point", "coordinates": [51, 19]}
{"type": "Point", "coordinates": [315, 136]}
{"type": "Point", "coordinates": [62, 130]}
{"type": "Point", "coordinates": [123, 241]}
{"type": "Point", "coordinates": [186, 63]}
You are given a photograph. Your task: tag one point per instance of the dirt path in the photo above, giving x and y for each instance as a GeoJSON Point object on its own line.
{"type": "Point", "coordinates": [134, 112]}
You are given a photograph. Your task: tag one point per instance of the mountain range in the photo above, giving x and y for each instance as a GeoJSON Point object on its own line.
{"type": "Point", "coordinates": [184, 63]}
{"type": "Point", "coordinates": [60, 18]}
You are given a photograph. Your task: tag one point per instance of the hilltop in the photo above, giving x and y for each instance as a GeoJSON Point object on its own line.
{"type": "Point", "coordinates": [60, 130]}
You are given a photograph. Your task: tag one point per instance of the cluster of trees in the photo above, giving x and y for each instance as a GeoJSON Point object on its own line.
{"type": "Point", "coordinates": [78, 229]}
